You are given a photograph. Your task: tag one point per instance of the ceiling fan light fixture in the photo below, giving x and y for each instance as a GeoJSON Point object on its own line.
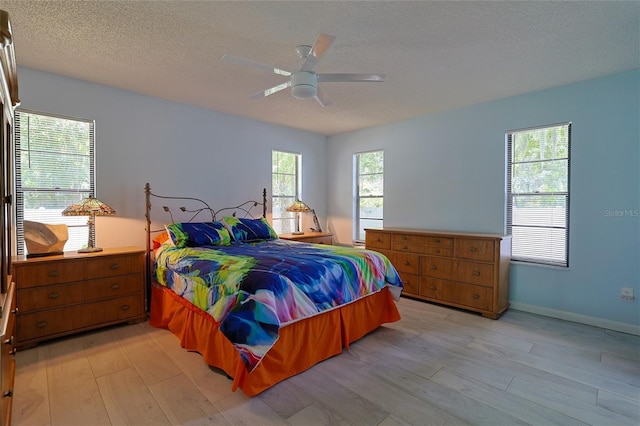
{"type": "Point", "coordinates": [304, 85]}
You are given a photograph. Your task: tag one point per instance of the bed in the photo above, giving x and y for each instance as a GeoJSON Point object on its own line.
{"type": "Point", "coordinates": [259, 308]}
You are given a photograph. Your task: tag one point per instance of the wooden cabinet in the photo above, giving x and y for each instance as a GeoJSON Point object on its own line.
{"type": "Point", "coordinates": [73, 292]}
{"type": "Point", "coordinates": [465, 270]}
{"type": "Point", "coordinates": [310, 237]}
{"type": "Point", "coordinates": [7, 361]}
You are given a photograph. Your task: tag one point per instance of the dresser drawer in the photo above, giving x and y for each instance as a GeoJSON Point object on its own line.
{"type": "Point", "coordinates": [103, 288]}
{"type": "Point", "coordinates": [51, 296]}
{"type": "Point", "coordinates": [377, 240]}
{"type": "Point", "coordinates": [408, 247]}
{"type": "Point", "coordinates": [475, 249]}
{"type": "Point", "coordinates": [49, 322]}
{"type": "Point", "coordinates": [474, 273]}
{"type": "Point", "coordinates": [464, 294]}
{"type": "Point", "coordinates": [109, 266]}
{"type": "Point", "coordinates": [407, 262]}
{"type": "Point", "coordinates": [410, 283]}
{"type": "Point", "coordinates": [38, 274]}
{"type": "Point", "coordinates": [112, 310]}
{"type": "Point", "coordinates": [436, 267]}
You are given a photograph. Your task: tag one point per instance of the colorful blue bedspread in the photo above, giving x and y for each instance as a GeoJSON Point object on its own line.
{"type": "Point", "coordinates": [253, 289]}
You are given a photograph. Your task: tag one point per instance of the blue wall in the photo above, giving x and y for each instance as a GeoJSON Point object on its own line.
{"type": "Point", "coordinates": [447, 171]}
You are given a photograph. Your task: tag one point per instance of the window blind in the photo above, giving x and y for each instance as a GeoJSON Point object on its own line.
{"type": "Point", "coordinates": [55, 167]}
{"type": "Point", "coordinates": [538, 194]}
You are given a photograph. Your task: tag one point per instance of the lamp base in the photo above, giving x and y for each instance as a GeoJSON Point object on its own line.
{"type": "Point", "coordinates": [89, 250]}
{"type": "Point", "coordinates": [297, 233]}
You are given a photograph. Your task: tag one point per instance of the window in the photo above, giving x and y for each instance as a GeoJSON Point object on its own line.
{"type": "Point", "coordinates": [369, 191]}
{"type": "Point", "coordinates": [538, 194]}
{"type": "Point", "coordinates": [54, 169]}
{"type": "Point", "coordinates": [285, 189]}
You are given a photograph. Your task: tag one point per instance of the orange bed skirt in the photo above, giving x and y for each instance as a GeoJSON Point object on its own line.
{"type": "Point", "coordinates": [300, 345]}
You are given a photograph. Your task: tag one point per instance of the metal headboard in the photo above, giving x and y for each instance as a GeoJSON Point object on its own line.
{"type": "Point", "coordinates": [190, 209]}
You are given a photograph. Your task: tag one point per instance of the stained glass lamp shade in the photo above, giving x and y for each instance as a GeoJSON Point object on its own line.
{"type": "Point", "coordinates": [298, 207]}
{"type": "Point", "coordinates": [91, 207]}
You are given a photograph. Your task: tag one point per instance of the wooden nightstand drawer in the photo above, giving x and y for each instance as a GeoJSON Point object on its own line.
{"type": "Point", "coordinates": [310, 237]}
{"type": "Point", "coordinates": [108, 266]}
{"type": "Point", "coordinates": [44, 273]}
{"type": "Point", "coordinates": [103, 288]}
{"type": "Point", "coordinates": [50, 296]}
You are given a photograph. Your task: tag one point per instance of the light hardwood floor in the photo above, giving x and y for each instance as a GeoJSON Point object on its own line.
{"type": "Point", "coordinates": [435, 366]}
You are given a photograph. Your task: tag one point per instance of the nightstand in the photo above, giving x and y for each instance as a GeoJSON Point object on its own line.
{"type": "Point", "coordinates": [73, 292]}
{"type": "Point", "coordinates": [310, 237]}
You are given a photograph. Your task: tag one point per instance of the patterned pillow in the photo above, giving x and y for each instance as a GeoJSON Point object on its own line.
{"type": "Point", "coordinates": [188, 234]}
{"type": "Point", "coordinates": [244, 229]}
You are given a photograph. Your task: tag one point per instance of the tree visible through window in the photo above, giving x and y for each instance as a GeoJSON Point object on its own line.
{"type": "Point", "coordinates": [54, 169]}
{"type": "Point", "coordinates": [369, 192]}
{"type": "Point", "coordinates": [285, 189]}
{"type": "Point", "coordinates": [538, 194]}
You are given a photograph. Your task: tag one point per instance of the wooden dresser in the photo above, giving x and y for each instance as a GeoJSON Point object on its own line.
{"type": "Point", "coordinates": [465, 270]}
{"type": "Point", "coordinates": [60, 295]}
{"type": "Point", "coordinates": [7, 361]}
{"type": "Point", "coordinates": [310, 237]}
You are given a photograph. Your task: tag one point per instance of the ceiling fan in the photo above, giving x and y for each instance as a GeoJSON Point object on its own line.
{"type": "Point", "coordinates": [304, 83]}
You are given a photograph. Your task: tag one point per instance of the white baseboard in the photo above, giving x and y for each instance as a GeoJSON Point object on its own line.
{"type": "Point", "coordinates": [582, 319]}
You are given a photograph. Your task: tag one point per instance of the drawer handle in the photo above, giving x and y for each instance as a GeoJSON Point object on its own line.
{"type": "Point", "coordinates": [475, 296]}
{"type": "Point", "coordinates": [437, 251]}
{"type": "Point", "coordinates": [124, 307]}
{"type": "Point", "coordinates": [437, 241]}
{"type": "Point", "coordinates": [52, 274]}
{"type": "Point", "coordinates": [53, 296]}
{"type": "Point", "coordinates": [405, 248]}
{"type": "Point", "coordinates": [42, 324]}
{"type": "Point", "coordinates": [115, 286]}
{"type": "Point", "coordinates": [8, 394]}
{"type": "Point", "coordinates": [115, 266]}
{"type": "Point", "coordinates": [432, 287]}
{"type": "Point", "coordinates": [473, 249]}
{"type": "Point", "coordinates": [433, 267]}
{"type": "Point", "coordinates": [378, 240]}
{"type": "Point", "coordinates": [476, 273]}
{"type": "Point", "coordinates": [405, 238]}
{"type": "Point", "coordinates": [406, 262]}
{"type": "Point", "coordinates": [9, 341]}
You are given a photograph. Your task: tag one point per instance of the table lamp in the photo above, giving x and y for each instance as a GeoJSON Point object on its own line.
{"type": "Point", "coordinates": [298, 207]}
{"type": "Point", "coordinates": [91, 207]}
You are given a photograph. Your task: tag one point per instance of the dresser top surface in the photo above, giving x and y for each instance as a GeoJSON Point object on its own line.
{"type": "Point", "coordinates": [438, 232]}
{"type": "Point", "coordinates": [113, 251]}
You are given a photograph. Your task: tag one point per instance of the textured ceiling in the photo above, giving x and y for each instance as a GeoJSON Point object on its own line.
{"type": "Point", "coordinates": [436, 55]}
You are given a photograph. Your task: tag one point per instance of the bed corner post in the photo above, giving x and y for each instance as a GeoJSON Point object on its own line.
{"type": "Point", "coordinates": [264, 202]}
{"type": "Point", "coordinates": [147, 214]}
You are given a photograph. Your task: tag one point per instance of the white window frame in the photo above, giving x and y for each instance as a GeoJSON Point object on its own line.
{"type": "Point", "coordinates": [282, 220]}
{"type": "Point", "coordinates": [61, 197]}
{"type": "Point", "coordinates": [540, 227]}
{"type": "Point", "coordinates": [376, 223]}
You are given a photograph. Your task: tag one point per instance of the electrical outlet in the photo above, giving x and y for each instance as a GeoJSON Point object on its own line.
{"type": "Point", "coordinates": [626, 294]}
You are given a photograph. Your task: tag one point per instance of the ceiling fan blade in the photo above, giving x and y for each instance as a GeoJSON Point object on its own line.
{"type": "Point", "coordinates": [338, 78]}
{"type": "Point", "coordinates": [249, 62]}
{"type": "Point", "coordinates": [270, 91]}
{"type": "Point", "coordinates": [322, 98]}
{"type": "Point", "coordinates": [320, 47]}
